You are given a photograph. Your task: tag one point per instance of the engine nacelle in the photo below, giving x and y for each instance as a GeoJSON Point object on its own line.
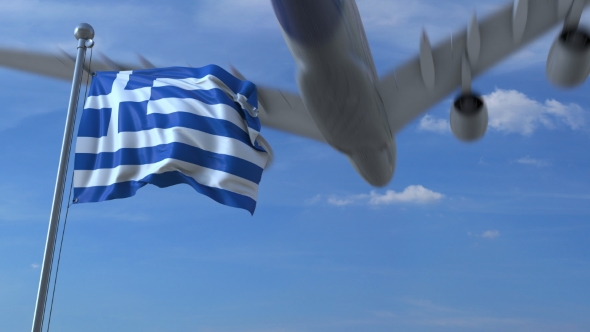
{"type": "Point", "coordinates": [568, 63]}
{"type": "Point", "coordinates": [469, 117]}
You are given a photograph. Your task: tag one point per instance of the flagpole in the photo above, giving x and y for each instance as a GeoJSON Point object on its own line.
{"type": "Point", "coordinates": [84, 34]}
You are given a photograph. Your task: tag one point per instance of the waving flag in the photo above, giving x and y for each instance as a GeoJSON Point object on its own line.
{"type": "Point", "coordinates": [168, 126]}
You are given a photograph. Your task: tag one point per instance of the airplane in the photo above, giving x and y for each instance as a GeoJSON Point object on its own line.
{"type": "Point", "coordinates": [342, 100]}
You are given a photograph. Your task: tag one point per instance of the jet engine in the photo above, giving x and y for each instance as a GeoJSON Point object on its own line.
{"type": "Point", "coordinates": [469, 117]}
{"type": "Point", "coordinates": [568, 63]}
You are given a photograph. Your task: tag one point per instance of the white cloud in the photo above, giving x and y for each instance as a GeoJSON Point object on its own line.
{"type": "Point", "coordinates": [414, 194]}
{"type": "Point", "coordinates": [531, 161]}
{"type": "Point", "coordinates": [512, 111]}
{"type": "Point", "coordinates": [315, 199]}
{"type": "Point", "coordinates": [430, 123]}
{"type": "Point", "coordinates": [347, 200]}
{"type": "Point", "coordinates": [35, 266]}
{"type": "Point", "coordinates": [490, 234]}
{"type": "Point", "coordinates": [340, 201]}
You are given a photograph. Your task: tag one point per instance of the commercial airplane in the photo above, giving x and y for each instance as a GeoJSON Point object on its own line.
{"type": "Point", "coordinates": [342, 100]}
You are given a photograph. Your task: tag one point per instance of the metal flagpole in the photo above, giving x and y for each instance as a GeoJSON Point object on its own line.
{"type": "Point", "coordinates": [84, 34]}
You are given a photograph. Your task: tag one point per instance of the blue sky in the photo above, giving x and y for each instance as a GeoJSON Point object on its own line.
{"type": "Point", "coordinates": [481, 237]}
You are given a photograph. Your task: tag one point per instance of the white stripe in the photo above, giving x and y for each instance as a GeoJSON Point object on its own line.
{"type": "Point", "coordinates": [142, 94]}
{"type": "Point", "coordinates": [158, 136]}
{"type": "Point", "coordinates": [217, 111]}
{"type": "Point", "coordinates": [207, 83]}
{"type": "Point", "coordinates": [204, 176]}
{"type": "Point", "coordinates": [118, 94]}
{"type": "Point", "coordinates": [108, 101]}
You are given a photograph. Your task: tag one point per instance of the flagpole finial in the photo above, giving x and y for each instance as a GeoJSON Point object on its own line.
{"type": "Point", "coordinates": [84, 31]}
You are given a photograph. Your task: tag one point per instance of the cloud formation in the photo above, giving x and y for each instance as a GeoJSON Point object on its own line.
{"type": "Point", "coordinates": [340, 201]}
{"type": "Point", "coordinates": [414, 194]}
{"type": "Point", "coordinates": [430, 123]}
{"type": "Point", "coordinates": [490, 234]}
{"type": "Point", "coordinates": [511, 111]}
{"type": "Point", "coordinates": [531, 161]}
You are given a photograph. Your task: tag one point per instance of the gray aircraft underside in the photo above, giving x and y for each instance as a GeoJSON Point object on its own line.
{"type": "Point", "coordinates": [344, 103]}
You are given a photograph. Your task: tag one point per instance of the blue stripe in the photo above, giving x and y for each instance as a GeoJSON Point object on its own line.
{"type": "Point", "coordinates": [178, 151]}
{"type": "Point", "coordinates": [128, 189]}
{"type": "Point", "coordinates": [95, 122]}
{"type": "Point", "coordinates": [133, 118]}
{"type": "Point", "coordinates": [146, 77]}
{"type": "Point", "coordinates": [209, 97]}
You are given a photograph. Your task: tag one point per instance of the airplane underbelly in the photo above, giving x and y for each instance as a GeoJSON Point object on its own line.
{"type": "Point", "coordinates": [344, 106]}
{"type": "Point", "coordinates": [336, 86]}
{"type": "Point", "coordinates": [343, 103]}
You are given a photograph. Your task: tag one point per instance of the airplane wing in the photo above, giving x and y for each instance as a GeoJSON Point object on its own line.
{"type": "Point", "coordinates": [281, 110]}
{"type": "Point", "coordinates": [58, 65]}
{"type": "Point", "coordinates": [407, 91]}
{"type": "Point", "coordinates": [285, 111]}
{"type": "Point", "coordinates": [414, 87]}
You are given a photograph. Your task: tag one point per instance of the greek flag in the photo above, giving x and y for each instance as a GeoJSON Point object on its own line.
{"type": "Point", "coordinates": [168, 126]}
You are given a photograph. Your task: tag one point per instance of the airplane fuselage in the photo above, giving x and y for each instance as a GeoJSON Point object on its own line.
{"type": "Point", "coordinates": [337, 81]}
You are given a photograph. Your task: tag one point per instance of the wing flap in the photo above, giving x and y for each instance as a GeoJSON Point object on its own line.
{"type": "Point", "coordinates": [280, 109]}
